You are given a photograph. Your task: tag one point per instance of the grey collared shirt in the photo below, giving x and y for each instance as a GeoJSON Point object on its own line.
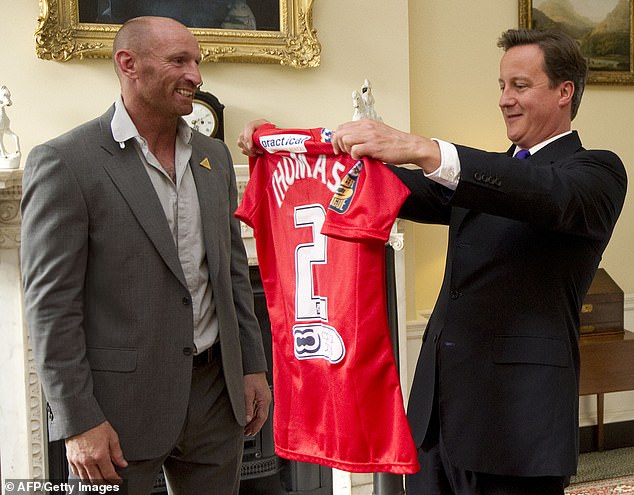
{"type": "Point", "coordinates": [182, 211]}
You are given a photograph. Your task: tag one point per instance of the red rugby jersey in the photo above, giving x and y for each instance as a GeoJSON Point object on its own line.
{"type": "Point", "coordinates": [337, 396]}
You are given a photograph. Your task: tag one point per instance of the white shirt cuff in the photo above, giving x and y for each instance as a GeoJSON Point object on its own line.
{"type": "Point", "coordinates": [448, 173]}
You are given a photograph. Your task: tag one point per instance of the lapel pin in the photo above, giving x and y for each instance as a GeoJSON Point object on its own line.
{"type": "Point", "coordinates": [205, 163]}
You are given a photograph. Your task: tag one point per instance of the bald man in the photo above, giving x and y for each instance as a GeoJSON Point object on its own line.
{"type": "Point", "coordinates": [136, 283]}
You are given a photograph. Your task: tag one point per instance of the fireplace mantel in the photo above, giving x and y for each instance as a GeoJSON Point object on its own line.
{"type": "Point", "coordinates": [10, 194]}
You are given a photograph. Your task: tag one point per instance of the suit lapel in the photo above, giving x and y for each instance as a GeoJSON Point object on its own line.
{"type": "Point", "coordinates": [208, 180]}
{"type": "Point", "coordinates": [562, 147]}
{"type": "Point", "coordinates": [129, 176]}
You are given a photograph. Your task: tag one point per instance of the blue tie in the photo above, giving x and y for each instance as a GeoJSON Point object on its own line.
{"type": "Point", "coordinates": [522, 154]}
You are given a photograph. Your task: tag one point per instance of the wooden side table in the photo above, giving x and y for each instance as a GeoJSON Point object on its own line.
{"type": "Point", "coordinates": [606, 366]}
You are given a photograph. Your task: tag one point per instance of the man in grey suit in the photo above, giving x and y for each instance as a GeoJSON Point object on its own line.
{"type": "Point", "coordinates": [136, 283]}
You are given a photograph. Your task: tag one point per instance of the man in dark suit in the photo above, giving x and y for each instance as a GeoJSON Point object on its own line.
{"type": "Point", "coordinates": [494, 402]}
{"type": "Point", "coordinates": [136, 283]}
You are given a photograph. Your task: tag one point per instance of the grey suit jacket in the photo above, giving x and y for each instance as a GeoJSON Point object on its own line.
{"type": "Point", "coordinates": [108, 310]}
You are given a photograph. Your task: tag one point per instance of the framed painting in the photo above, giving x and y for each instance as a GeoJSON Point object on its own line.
{"type": "Point", "coordinates": [603, 29]}
{"type": "Point", "coordinates": [261, 31]}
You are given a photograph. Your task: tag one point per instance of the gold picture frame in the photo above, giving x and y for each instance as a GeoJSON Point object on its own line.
{"type": "Point", "coordinates": [60, 36]}
{"type": "Point", "coordinates": [610, 53]}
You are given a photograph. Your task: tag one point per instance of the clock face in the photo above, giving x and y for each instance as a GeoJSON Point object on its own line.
{"type": "Point", "coordinates": [203, 118]}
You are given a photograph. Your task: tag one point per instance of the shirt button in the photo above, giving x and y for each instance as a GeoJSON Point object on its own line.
{"type": "Point", "coordinates": [455, 294]}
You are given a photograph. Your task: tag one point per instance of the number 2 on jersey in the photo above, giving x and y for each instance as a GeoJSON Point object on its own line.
{"type": "Point", "coordinates": [308, 305]}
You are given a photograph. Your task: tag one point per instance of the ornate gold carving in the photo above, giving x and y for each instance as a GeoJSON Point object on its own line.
{"type": "Point", "coordinates": [55, 39]}
{"type": "Point", "coordinates": [302, 50]}
{"type": "Point", "coordinates": [61, 37]}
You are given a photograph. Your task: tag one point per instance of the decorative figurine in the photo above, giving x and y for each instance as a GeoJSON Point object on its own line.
{"type": "Point", "coordinates": [363, 103]}
{"type": "Point", "coordinates": [368, 100]}
{"type": "Point", "coordinates": [7, 160]}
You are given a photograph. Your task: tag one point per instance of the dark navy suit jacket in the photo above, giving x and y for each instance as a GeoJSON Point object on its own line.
{"type": "Point", "coordinates": [500, 353]}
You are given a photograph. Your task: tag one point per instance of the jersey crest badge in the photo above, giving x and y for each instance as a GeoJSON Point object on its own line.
{"type": "Point", "coordinates": [341, 200]}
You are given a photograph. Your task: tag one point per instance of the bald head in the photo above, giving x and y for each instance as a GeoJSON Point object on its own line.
{"type": "Point", "coordinates": [141, 33]}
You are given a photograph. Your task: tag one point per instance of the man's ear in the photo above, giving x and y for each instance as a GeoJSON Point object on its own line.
{"type": "Point", "coordinates": [125, 61]}
{"type": "Point", "coordinates": [566, 92]}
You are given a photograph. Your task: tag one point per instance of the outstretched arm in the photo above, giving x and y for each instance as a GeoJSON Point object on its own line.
{"type": "Point", "coordinates": [381, 142]}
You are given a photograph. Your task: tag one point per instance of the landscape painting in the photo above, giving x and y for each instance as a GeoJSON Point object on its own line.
{"type": "Point", "coordinates": [603, 28]}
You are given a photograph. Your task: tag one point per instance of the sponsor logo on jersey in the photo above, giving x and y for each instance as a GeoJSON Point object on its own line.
{"type": "Point", "coordinates": [341, 200]}
{"type": "Point", "coordinates": [318, 341]}
{"type": "Point", "coordinates": [293, 143]}
{"type": "Point", "coordinates": [326, 135]}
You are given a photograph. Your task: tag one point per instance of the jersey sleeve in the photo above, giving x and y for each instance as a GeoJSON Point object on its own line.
{"type": "Point", "coordinates": [366, 203]}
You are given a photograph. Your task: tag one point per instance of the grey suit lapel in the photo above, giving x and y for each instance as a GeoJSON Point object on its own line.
{"type": "Point", "coordinates": [127, 173]}
{"type": "Point", "coordinates": [208, 181]}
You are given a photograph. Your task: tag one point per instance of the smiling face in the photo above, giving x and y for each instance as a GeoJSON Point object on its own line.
{"type": "Point", "coordinates": [157, 63]}
{"type": "Point", "coordinates": [533, 109]}
{"type": "Point", "coordinates": [168, 72]}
